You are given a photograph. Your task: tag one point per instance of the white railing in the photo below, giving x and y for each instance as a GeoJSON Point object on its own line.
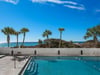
{"type": "Point", "coordinates": [52, 51]}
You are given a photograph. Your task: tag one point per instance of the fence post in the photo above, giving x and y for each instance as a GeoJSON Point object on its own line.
{"type": "Point", "coordinates": [12, 53]}
{"type": "Point", "coordinates": [35, 52]}
{"type": "Point", "coordinates": [81, 52]}
{"type": "Point", "coordinates": [58, 52]}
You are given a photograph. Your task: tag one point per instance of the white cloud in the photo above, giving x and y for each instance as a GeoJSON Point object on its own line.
{"type": "Point", "coordinates": [69, 4]}
{"type": "Point", "coordinates": [98, 10]}
{"type": "Point", "coordinates": [81, 7]}
{"type": "Point", "coordinates": [55, 1]}
{"type": "Point", "coordinates": [11, 1]}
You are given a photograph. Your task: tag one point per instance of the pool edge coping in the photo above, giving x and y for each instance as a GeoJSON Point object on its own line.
{"type": "Point", "coordinates": [25, 66]}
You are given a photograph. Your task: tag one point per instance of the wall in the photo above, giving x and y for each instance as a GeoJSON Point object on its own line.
{"type": "Point", "coordinates": [52, 51]}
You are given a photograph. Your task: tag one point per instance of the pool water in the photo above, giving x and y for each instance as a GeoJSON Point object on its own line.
{"type": "Point", "coordinates": [63, 66]}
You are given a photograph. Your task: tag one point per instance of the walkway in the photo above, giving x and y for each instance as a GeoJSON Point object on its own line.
{"type": "Point", "coordinates": [7, 65]}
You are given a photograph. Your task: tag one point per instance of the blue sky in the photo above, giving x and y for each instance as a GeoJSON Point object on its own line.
{"type": "Point", "coordinates": [37, 15]}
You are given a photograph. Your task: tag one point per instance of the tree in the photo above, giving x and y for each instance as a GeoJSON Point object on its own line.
{"type": "Point", "coordinates": [92, 32]}
{"type": "Point", "coordinates": [39, 41]}
{"type": "Point", "coordinates": [60, 30]}
{"type": "Point", "coordinates": [46, 33]}
{"type": "Point", "coordinates": [17, 35]}
{"type": "Point", "coordinates": [98, 29]}
{"type": "Point", "coordinates": [8, 31]}
{"type": "Point", "coordinates": [24, 30]}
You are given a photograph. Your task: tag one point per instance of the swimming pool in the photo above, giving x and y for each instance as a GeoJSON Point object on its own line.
{"type": "Point", "coordinates": [63, 66]}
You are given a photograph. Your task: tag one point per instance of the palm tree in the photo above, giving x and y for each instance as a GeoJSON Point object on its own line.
{"type": "Point", "coordinates": [24, 30]}
{"type": "Point", "coordinates": [17, 35]}
{"type": "Point", "coordinates": [92, 32]}
{"type": "Point", "coordinates": [46, 33]}
{"type": "Point", "coordinates": [60, 30]}
{"type": "Point", "coordinates": [98, 29]}
{"type": "Point", "coordinates": [8, 31]}
{"type": "Point", "coordinates": [39, 41]}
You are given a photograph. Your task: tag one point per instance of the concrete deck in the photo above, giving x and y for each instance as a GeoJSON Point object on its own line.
{"type": "Point", "coordinates": [7, 65]}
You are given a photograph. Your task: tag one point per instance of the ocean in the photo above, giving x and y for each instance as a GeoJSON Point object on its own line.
{"type": "Point", "coordinates": [13, 44]}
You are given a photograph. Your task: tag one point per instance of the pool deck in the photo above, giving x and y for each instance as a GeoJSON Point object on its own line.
{"type": "Point", "coordinates": [7, 64]}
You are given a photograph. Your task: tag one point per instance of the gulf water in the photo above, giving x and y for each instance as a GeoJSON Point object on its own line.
{"type": "Point", "coordinates": [13, 44]}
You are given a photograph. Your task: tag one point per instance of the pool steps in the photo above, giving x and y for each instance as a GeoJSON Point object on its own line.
{"type": "Point", "coordinates": [29, 66]}
{"type": "Point", "coordinates": [35, 70]}
{"type": "Point", "coordinates": [32, 68]}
